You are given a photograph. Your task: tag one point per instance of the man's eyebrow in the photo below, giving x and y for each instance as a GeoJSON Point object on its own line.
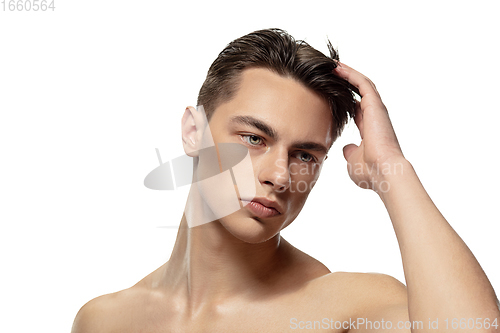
{"type": "Point", "coordinates": [259, 124]}
{"type": "Point", "coordinates": [311, 146]}
{"type": "Point", "coordinates": [270, 132]}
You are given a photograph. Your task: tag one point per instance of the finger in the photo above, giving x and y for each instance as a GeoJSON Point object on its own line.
{"type": "Point", "coordinates": [364, 84]}
{"type": "Point", "coordinates": [358, 118]}
{"type": "Point", "coordinates": [348, 150]}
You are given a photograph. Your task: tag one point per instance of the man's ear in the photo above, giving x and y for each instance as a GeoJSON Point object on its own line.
{"type": "Point", "coordinates": [193, 126]}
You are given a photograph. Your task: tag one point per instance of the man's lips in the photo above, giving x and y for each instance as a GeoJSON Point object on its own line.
{"type": "Point", "coordinates": [262, 207]}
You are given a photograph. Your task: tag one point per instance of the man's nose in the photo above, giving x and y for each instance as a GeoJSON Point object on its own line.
{"type": "Point", "coordinates": [274, 171]}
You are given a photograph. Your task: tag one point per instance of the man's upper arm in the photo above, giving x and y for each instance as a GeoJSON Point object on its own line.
{"type": "Point", "coordinates": [386, 307]}
{"type": "Point", "coordinates": [387, 318]}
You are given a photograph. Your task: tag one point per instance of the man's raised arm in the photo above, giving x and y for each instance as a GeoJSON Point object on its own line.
{"type": "Point", "coordinates": [444, 280]}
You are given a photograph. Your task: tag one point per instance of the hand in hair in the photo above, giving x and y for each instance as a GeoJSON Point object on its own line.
{"type": "Point", "coordinates": [379, 151]}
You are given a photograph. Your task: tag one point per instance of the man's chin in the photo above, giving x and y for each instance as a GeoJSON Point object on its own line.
{"type": "Point", "coordinates": [251, 229]}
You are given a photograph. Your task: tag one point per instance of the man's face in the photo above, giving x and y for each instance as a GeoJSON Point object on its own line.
{"type": "Point", "coordinates": [287, 129]}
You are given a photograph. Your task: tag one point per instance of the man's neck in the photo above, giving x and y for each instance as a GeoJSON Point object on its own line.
{"type": "Point", "coordinates": [209, 265]}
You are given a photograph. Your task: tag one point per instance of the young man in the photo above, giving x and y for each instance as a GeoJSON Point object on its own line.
{"type": "Point", "coordinates": [231, 271]}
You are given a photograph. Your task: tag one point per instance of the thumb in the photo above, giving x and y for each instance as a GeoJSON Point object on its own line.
{"type": "Point", "coordinates": [348, 150]}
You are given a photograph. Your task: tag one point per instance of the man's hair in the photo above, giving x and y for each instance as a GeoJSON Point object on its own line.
{"type": "Point", "coordinates": [279, 52]}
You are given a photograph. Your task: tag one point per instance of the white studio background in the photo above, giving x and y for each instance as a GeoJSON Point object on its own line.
{"type": "Point", "coordinates": [89, 90]}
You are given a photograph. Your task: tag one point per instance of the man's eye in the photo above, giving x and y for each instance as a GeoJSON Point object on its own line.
{"type": "Point", "coordinates": [305, 157]}
{"type": "Point", "coordinates": [254, 140]}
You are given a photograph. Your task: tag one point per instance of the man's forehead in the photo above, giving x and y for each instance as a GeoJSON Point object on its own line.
{"type": "Point", "coordinates": [282, 103]}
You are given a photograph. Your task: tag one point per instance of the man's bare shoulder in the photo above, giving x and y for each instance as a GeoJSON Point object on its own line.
{"type": "Point", "coordinates": [366, 285]}
{"type": "Point", "coordinates": [116, 311]}
{"type": "Point", "coordinates": [363, 291]}
{"type": "Point", "coordinates": [98, 314]}
{"type": "Point", "coordinates": [366, 281]}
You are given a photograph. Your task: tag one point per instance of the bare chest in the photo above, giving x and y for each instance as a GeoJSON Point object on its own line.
{"type": "Point", "coordinates": [285, 315]}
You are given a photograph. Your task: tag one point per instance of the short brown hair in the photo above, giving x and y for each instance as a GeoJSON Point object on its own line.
{"type": "Point", "coordinates": [279, 52]}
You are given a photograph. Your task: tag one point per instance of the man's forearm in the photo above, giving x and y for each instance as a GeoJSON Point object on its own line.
{"type": "Point", "coordinates": [443, 278]}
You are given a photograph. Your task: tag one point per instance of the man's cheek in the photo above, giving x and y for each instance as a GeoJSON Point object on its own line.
{"type": "Point", "coordinates": [244, 178]}
{"type": "Point", "coordinates": [234, 180]}
{"type": "Point", "coordinates": [301, 186]}
{"type": "Point", "coordinates": [224, 175]}
{"type": "Point", "coordinates": [304, 177]}
{"type": "Point", "coordinates": [218, 192]}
